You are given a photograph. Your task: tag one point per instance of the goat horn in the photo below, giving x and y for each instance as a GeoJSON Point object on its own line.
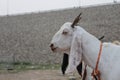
{"type": "Point", "coordinates": [76, 20]}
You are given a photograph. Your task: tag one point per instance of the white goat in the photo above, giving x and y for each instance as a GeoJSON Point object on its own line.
{"type": "Point", "coordinates": [84, 46]}
{"type": "Point", "coordinates": [58, 48]}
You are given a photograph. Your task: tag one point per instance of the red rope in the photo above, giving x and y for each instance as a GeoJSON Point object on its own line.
{"type": "Point", "coordinates": [96, 72]}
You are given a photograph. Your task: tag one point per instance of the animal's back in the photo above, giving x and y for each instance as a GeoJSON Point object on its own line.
{"type": "Point", "coordinates": [111, 59]}
{"type": "Point", "coordinates": [111, 51]}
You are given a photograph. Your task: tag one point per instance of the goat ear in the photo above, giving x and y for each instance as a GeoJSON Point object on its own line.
{"type": "Point", "coordinates": [76, 20]}
{"type": "Point", "coordinates": [75, 56]}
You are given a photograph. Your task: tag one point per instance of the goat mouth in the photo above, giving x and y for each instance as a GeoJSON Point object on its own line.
{"type": "Point", "coordinates": [54, 49]}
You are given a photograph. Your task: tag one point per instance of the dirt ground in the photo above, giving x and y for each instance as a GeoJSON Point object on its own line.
{"type": "Point", "coordinates": [35, 75]}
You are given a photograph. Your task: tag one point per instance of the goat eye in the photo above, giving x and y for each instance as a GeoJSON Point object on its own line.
{"type": "Point", "coordinates": [65, 33]}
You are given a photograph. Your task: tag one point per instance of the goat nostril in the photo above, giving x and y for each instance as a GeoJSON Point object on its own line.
{"type": "Point", "coordinates": [51, 45]}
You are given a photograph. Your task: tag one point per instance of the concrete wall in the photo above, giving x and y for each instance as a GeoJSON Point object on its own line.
{"type": "Point", "coordinates": [26, 38]}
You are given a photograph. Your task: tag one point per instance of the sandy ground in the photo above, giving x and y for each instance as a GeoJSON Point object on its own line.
{"type": "Point", "coordinates": [35, 75]}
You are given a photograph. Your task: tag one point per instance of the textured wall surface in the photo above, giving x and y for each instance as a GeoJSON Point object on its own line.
{"type": "Point", "coordinates": [26, 38]}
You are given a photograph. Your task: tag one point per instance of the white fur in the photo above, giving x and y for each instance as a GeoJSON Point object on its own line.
{"type": "Point", "coordinates": [89, 71]}
{"type": "Point", "coordinates": [62, 44]}
{"type": "Point", "coordinates": [116, 42]}
{"type": "Point", "coordinates": [84, 46]}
